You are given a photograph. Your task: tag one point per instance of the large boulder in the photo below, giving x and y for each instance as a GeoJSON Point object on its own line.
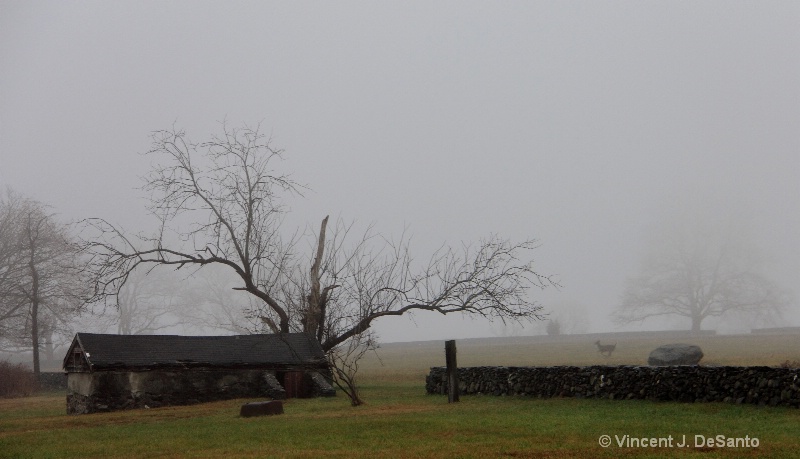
{"type": "Point", "coordinates": [675, 354]}
{"type": "Point", "coordinates": [261, 408]}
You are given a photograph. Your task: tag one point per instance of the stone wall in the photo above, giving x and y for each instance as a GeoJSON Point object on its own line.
{"type": "Point", "coordinates": [119, 390]}
{"type": "Point", "coordinates": [752, 385]}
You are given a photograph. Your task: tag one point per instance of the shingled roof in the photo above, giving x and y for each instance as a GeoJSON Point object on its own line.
{"type": "Point", "coordinates": [106, 352]}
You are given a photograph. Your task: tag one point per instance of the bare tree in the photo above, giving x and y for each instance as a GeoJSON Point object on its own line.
{"type": "Point", "coordinates": [12, 268]}
{"type": "Point", "coordinates": [230, 192]}
{"type": "Point", "coordinates": [41, 283]}
{"type": "Point", "coordinates": [696, 273]}
{"type": "Point", "coordinates": [345, 360]}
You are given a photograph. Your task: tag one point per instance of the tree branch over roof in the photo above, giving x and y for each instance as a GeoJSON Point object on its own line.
{"type": "Point", "coordinates": [231, 195]}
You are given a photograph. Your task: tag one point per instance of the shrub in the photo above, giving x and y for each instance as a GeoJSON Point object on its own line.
{"type": "Point", "coordinates": [553, 328]}
{"type": "Point", "coordinates": [16, 380]}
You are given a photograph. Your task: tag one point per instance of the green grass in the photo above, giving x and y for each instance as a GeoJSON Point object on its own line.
{"type": "Point", "coordinates": [400, 420]}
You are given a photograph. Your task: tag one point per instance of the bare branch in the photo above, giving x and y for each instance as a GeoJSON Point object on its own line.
{"type": "Point", "coordinates": [232, 196]}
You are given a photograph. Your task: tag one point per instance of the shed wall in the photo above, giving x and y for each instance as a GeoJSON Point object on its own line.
{"type": "Point", "coordinates": [118, 390]}
{"type": "Point", "coordinates": [80, 383]}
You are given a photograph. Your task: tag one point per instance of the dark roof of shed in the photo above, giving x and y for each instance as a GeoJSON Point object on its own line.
{"type": "Point", "coordinates": [152, 351]}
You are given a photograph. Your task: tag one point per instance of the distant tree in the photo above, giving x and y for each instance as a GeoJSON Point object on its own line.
{"type": "Point", "coordinates": [12, 267]}
{"type": "Point", "coordinates": [148, 303]}
{"type": "Point", "coordinates": [553, 327]}
{"type": "Point", "coordinates": [567, 317]}
{"type": "Point", "coordinates": [229, 189]}
{"type": "Point", "coordinates": [214, 303]}
{"type": "Point", "coordinates": [40, 282]}
{"type": "Point", "coordinates": [697, 272]}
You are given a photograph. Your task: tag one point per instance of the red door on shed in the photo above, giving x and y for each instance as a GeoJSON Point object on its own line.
{"type": "Point", "coordinates": [294, 384]}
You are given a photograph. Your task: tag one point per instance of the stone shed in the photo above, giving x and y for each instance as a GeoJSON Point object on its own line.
{"type": "Point", "coordinates": [116, 372]}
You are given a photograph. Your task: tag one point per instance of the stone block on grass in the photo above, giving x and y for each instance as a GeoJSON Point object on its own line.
{"type": "Point", "coordinates": [261, 408]}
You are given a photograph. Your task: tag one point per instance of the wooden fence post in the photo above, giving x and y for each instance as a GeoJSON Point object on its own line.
{"type": "Point", "coordinates": [452, 371]}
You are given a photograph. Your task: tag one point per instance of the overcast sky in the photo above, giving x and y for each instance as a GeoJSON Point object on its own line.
{"type": "Point", "coordinates": [575, 123]}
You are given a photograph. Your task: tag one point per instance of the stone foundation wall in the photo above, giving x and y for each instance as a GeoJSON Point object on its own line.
{"type": "Point", "coordinates": [753, 385]}
{"type": "Point", "coordinates": [119, 390]}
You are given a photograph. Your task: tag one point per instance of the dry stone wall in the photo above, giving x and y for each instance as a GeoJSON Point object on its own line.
{"type": "Point", "coordinates": [753, 385]}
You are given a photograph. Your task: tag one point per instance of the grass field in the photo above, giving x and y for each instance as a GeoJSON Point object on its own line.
{"type": "Point", "coordinates": [412, 360]}
{"type": "Point", "coordinates": [399, 420]}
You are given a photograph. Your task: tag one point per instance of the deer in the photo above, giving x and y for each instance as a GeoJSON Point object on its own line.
{"type": "Point", "coordinates": [605, 349]}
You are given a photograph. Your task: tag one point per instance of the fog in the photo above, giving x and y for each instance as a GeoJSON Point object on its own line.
{"type": "Point", "coordinates": [580, 124]}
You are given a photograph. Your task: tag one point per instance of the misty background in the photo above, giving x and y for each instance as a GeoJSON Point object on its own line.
{"type": "Point", "coordinates": [581, 124]}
